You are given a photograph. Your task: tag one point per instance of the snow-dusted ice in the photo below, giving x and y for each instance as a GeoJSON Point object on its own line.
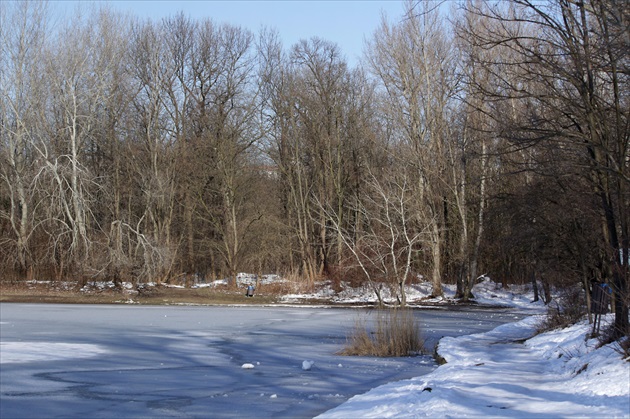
{"type": "Point", "coordinates": [103, 361]}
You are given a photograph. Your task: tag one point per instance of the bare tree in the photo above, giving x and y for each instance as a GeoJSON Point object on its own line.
{"type": "Point", "coordinates": [151, 157]}
{"type": "Point", "coordinates": [415, 65]}
{"type": "Point", "coordinates": [568, 78]}
{"type": "Point", "coordinates": [475, 151]}
{"type": "Point", "coordinates": [317, 116]}
{"type": "Point", "coordinates": [285, 148]}
{"type": "Point", "coordinates": [22, 41]}
{"type": "Point", "coordinates": [386, 246]}
{"type": "Point", "coordinates": [224, 97]}
{"type": "Point", "coordinates": [76, 79]}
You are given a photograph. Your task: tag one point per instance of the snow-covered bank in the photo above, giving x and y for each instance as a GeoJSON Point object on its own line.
{"type": "Point", "coordinates": [486, 292]}
{"type": "Point", "coordinates": [508, 373]}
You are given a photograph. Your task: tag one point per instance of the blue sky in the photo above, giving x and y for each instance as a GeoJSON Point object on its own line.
{"type": "Point", "coordinates": [343, 22]}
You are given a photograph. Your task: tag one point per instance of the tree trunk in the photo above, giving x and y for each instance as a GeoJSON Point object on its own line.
{"type": "Point", "coordinates": [436, 253]}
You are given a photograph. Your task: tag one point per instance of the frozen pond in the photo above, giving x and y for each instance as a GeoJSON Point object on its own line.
{"type": "Point", "coordinates": [103, 361]}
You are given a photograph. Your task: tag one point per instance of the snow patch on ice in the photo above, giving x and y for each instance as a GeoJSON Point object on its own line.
{"type": "Point", "coordinates": [22, 352]}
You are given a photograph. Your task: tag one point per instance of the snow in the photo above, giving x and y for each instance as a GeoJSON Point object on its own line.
{"type": "Point", "coordinates": [21, 352]}
{"type": "Point", "coordinates": [509, 371]}
{"type": "Point", "coordinates": [486, 292]}
{"type": "Point", "coordinates": [243, 279]}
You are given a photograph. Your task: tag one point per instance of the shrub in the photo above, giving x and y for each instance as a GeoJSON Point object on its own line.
{"type": "Point", "coordinates": [622, 346]}
{"type": "Point", "coordinates": [568, 309]}
{"type": "Point", "coordinates": [396, 333]}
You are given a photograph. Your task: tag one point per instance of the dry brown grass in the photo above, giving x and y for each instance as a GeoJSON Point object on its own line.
{"type": "Point", "coordinates": [396, 333]}
{"type": "Point", "coordinates": [69, 293]}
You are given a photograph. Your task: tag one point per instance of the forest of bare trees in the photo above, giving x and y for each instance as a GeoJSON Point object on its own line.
{"type": "Point", "coordinates": [473, 138]}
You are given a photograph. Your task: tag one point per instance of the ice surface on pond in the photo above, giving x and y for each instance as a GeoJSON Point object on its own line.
{"type": "Point", "coordinates": [142, 361]}
{"type": "Point", "coordinates": [106, 361]}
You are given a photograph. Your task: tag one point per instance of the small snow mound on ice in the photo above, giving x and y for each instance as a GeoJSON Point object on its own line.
{"type": "Point", "coordinates": [307, 365]}
{"type": "Point", "coordinates": [248, 366]}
